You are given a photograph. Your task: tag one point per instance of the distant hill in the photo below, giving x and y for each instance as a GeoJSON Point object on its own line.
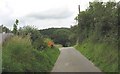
{"type": "Point", "coordinates": [58, 35]}
{"type": "Point", "coordinates": [49, 32]}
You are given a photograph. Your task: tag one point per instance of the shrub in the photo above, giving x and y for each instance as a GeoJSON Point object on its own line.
{"type": "Point", "coordinates": [36, 37]}
{"type": "Point", "coordinates": [17, 53]}
{"type": "Point", "coordinates": [20, 56]}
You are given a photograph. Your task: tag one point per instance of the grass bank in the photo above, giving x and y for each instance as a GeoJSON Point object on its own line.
{"type": "Point", "coordinates": [103, 55]}
{"type": "Point", "coordinates": [19, 55]}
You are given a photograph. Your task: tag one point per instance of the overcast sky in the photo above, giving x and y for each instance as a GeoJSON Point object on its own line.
{"type": "Point", "coordinates": [41, 13]}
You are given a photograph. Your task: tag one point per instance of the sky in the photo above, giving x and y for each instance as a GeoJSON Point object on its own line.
{"type": "Point", "coordinates": [41, 14]}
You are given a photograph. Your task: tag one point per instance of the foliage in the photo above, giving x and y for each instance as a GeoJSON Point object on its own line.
{"type": "Point", "coordinates": [36, 37]}
{"type": "Point", "coordinates": [74, 35]}
{"type": "Point", "coordinates": [49, 42]}
{"type": "Point", "coordinates": [46, 40]}
{"type": "Point", "coordinates": [97, 33]}
{"type": "Point", "coordinates": [103, 55]}
{"type": "Point", "coordinates": [15, 26]}
{"type": "Point", "coordinates": [20, 56]}
{"type": "Point", "coordinates": [99, 19]}
{"type": "Point", "coordinates": [62, 36]}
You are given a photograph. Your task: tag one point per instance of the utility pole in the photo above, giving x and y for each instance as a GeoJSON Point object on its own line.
{"type": "Point", "coordinates": [78, 39]}
{"type": "Point", "coordinates": [79, 8]}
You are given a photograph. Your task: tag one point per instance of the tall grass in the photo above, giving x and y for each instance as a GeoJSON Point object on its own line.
{"type": "Point", "coordinates": [103, 55]}
{"type": "Point", "coordinates": [19, 55]}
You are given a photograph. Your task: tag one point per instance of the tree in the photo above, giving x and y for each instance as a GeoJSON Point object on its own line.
{"type": "Point", "coordinates": [74, 34]}
{"type": "Point", "coordinates": [98, 20]}
{"type": "Point", "coordinates": [15, 26]}
{"type": "Point", "coordinates": [61, 36]}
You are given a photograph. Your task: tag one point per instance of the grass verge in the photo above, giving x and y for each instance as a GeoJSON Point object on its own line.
{"type": "Point", "coordinates": [103, 55]}
{"type": "Point", "coordinates": [19, 55]}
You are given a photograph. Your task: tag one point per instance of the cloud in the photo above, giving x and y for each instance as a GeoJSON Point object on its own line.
{"type": "Point", "coordinates": [51, 16]}
{"type": "Point", "coordinates": [60, 13]}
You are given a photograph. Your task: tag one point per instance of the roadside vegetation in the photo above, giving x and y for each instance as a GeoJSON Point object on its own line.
{"type": "Point", "coordinates": [101, 54]}
{"type": "Point", "coordinates": [58, 35]}
{"type": "Point", "coordinates": [97, 34]}
{"type": "Point", "coordinates": [28, 51]}
{"type": "Point", "coordinates": [62, 36]}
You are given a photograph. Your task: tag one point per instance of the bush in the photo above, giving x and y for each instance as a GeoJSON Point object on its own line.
{"type": "Point", "coordinates": [36, 37]}
{"type": "Point", "coordinates": [20, 56]}
{"type": "Point", "coordinates": [16, 51]}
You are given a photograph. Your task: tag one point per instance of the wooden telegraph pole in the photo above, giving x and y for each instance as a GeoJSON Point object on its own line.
{"type": "Point", "coordinates": [78, 39]}
{"type": "Point", "coordinates": [79, 8]}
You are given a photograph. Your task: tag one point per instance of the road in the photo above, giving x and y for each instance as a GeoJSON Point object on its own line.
{"type": "Point", "coordinates": [71, 60]}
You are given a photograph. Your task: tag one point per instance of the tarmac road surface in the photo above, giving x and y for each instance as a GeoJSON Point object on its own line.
{"type": "Point", "coordinates": [71, 60]}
